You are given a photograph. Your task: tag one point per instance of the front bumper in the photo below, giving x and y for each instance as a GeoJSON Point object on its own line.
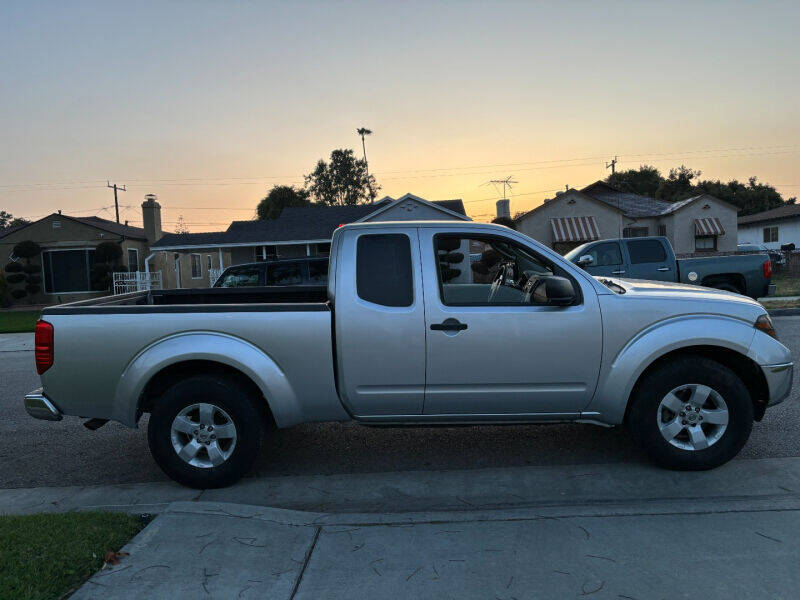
{"type": "Point", "coordinates": [779, 381]}
{"type": "Point", "coordinates": [40, 407]}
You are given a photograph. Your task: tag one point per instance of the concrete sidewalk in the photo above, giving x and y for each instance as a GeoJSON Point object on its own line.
{"type": "Point", "coordinates": [16, 342]}
{"type": "Point", "coordinates": [604, 531]}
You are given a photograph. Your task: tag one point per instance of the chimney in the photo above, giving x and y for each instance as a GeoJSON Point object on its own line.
{"type": "Point", "coordinates": [504, 208]}
{"type": "Point", "coordinates": [151, 218]}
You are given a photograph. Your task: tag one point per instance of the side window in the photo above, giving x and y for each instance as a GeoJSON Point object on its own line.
{"type": "Point", "coordinates": [241, 277]}
{"type": "Point", "coordinates": [286, 274]}
{"type": "Point", "coordinates": [605, 255]}
{"type": "Point", "coordinates": [487, 271]}
{"type": "Point", "coordinates": [646, 251]}
{"type": "Point", "coordinates": [383, 269]}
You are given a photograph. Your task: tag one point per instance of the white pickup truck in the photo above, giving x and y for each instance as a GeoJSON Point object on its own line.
{"type": "Point", "coordinates": [421, 323]}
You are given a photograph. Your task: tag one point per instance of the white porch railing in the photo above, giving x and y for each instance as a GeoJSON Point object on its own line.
{"type": "Point", "coordinates": [213, 275]}
{"type": "Point", "coordinates": [136, 281]}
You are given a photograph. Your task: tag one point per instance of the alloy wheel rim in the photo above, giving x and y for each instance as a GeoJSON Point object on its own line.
{"type": "Point", "coordinates": [203, 435]}
{"type": "Point", "coordinates": [692, 417]}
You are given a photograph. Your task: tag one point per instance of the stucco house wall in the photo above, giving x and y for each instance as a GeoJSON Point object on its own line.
{"type": "Point", "coordinates": [683, 227]}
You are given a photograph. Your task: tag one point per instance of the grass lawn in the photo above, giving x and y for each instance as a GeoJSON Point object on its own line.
{"type": "Point", "coordinates": [18, 321]}
{"type": "Point", "coordinates": [46, 556]}
{"type": "Point", "coordinates": [770, 304]}
{"type": "Point", "coordinates": [786, 285]}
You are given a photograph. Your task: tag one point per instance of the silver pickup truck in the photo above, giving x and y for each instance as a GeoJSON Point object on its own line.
{"type": "Point", "coordinates": [421, 323]}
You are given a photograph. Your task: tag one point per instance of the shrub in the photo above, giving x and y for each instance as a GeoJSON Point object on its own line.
{"type": "Point", "coordinates": [19, 294]}
{"type": "Point", "coordinates": [35, 279]}
{"type": "Point", "coordinates": [101, 278]}
{"type": "Point", "coordinates": [14, 267]}
{"type": "Point", "coordinates": [27, 249]}
{"type": "Point", "coordinates": [107, 252]}
{"type": "Point", "coordinates": [120, 269]}
{"type": "Point", "coordinates": [16, 278]}
{"type": "Point", "coordinates": [32, 268]}
{"type": "Point", "coordinates": [32, 288]}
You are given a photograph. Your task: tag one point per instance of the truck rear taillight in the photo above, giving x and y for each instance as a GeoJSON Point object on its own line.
{"type": "Point", "coordinates": [767, 269]}
{"type": "Point", "coordinates": [43, 343]}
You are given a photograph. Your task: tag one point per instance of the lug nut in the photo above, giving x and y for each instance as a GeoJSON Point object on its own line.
{"type": "Point", "coordinates": [701, 417]}
{"type": "Point", "coordinates": [210, 428]}
{"type": "Point", "coordinates": [195, 432]}
{"type": "Point", "coordinates": [684, 422]}
{"type": "Point", "coordinates": [683, 414]}
{"type": "Point", "coordinates": [697, 409]}
{"type": "Point", "coordinates": [202, 426]}
{"type": "Point", "coordinates": [213, 437]}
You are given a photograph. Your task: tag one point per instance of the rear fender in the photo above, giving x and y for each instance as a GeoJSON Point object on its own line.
{"type": "Point", "coordinates": [207, 346]}
{"type": "Point", "coordinates": [619, 378]}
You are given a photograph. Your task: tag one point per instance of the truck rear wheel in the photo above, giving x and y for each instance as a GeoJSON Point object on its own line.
{"type": "Point", "coordinates": [691, 414]}
{"type": "Point", "coordinates": [205, 431]}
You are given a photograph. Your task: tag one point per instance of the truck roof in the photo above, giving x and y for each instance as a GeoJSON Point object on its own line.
{"type": "Point", "coordinates": [427, 224]}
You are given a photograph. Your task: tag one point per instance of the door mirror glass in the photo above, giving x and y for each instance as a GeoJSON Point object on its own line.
{"type": "Point", "coordinates": [553, 291]}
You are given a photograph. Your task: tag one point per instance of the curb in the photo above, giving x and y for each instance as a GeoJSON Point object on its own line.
{"type": "Point", "coordinates": [783, 312]}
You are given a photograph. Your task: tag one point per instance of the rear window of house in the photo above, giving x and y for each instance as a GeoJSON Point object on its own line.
{"type": "Point", "coordinates": [383, 269]}
{"type": "Point", "coordinates": [646, 251]}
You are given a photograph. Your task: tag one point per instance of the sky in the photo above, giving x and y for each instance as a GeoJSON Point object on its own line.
{"type": "Point", "coordinates": [209, 104]}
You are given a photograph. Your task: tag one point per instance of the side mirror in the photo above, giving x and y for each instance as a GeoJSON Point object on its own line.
{"type": "Point", "coordinates": [585, 261]}
{"type": "Point", "coordinates": [554, 291]}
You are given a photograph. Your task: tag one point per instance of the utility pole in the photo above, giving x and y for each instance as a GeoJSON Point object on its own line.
{"type": "Point", "coordinates": [612, 164]}
{"type": "Point", "coordinates": [116, 187]}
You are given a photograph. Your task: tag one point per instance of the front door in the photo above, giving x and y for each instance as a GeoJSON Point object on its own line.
{"type": "Point", "coordinates": [490, 351]}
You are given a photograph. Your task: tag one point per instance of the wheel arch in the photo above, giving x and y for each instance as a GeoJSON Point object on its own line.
{"type": "Point", "coordinates": [735, 279]}
{"type": "Point", "coordinates": [203, 352]}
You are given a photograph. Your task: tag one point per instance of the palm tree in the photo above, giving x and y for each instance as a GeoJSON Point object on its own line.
{"type": "Point", "coordinates": [363, 131]}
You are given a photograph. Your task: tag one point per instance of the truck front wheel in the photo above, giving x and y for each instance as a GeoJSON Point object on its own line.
{"type": "Point", "coordinates": [691, 413]}
{"type": "Point", "coordinates": [205, 431]}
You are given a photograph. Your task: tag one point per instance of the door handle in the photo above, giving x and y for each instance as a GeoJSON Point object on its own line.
{"type": "Point", "coordinates": [618, 272]}
{"type": "Point", "coordinates": [449, 325]}
{"type": "Point", "coordinates": [663, 268]}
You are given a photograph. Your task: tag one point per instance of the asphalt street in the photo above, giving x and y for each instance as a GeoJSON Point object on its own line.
{"type": "Point", "coordinates": [38, 453]}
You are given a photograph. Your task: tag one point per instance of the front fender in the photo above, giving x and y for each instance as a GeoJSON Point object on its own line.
{"type": "Point", "coordinates": [209, 346]}
{"type": "Point", "coordinates": [626, 366]}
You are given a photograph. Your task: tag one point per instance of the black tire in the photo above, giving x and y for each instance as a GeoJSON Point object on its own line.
{"type": "Point", "coordinates": [230, 396]}
{"type": "Point", "coordinates": [643, 416]}
{"type": "Point", "coordinates": [728, 287]}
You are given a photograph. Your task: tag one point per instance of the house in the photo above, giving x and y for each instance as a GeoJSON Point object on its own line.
{"type": "Point", "coordinates": [191, 259]}
{"type": "Point", "coordinates": [68, 244]}
{"type": "Point", "coordinates": [696, 225]}
{"type": "Point", "coordinates": [772, 227]}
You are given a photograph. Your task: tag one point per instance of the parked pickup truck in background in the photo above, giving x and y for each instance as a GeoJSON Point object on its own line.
{"type": "Point", "coordinates": [431, 323]}
{"type": "Point", "coordinates": [293, 271]}
{"type": "Point", "coordinates": [653, 258]}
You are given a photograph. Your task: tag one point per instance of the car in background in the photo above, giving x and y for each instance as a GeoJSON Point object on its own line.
{"type": "Point", "coordinates": [776, 256]}
{"type": "Point", "coordinates": [294, 271]}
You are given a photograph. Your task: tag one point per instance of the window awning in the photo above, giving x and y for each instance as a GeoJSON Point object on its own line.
{"type": "Point", "coordinates": [708, 226]}
{"type": "Point", "coordinates": [575, 229]}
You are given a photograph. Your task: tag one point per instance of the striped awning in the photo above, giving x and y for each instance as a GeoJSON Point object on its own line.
{"type": "Point", "coordinates": [575, 229]}
{"type": "Point", "coordinates": [708, 226]}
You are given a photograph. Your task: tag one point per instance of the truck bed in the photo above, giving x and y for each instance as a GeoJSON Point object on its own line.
{"type": "Point", "coordinates": [274, 298]}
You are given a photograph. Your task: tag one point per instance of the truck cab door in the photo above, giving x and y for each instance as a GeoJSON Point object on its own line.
{"type": "Point", "coordinates": [490, 350]}
{"type": "Point", "coordinates": [649, 259]}
{"type": "Point", "coordinates": [606, 259]}
{"type": "Point", "coordinates": [379, 317]}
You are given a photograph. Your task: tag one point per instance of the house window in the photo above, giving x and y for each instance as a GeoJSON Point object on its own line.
{"type": "Point", "coordinates": [633, 232]}
{"type": "Point", "coordinates": [67, 271]}
{"type": "Point", "coordinates": [662, 230]}
{"type": "Point", "coordinates": [197, 267]}
{"type": "Point", "coordinates": [770, 234]}
{"type": "Point", "coordinates": [133, 259]}
{"type": "Point", "coordinates": [705, 243]}
{"type": "Point", "coordinates": [261, 253]}
{"type": "Point", "coordinates": [208, 262]}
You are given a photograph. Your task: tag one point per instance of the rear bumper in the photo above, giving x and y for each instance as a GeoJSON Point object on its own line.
{"type": "Point", "coordinates": [39, 406]}
{"type": "Point", "coordinates": [771, 289]}
{"type": "Point", "coordinates": [779, 380]}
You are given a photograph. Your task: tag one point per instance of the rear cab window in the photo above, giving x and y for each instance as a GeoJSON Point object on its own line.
{"type": "Point", "coordinates": [384, 273]}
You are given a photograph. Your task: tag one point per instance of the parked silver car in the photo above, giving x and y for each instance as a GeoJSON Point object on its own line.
{"type": "Point", "coordinates": [422, 322]}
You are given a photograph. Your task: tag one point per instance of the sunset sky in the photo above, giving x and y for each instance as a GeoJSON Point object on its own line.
{"type": "Point", "coordinates": [208, 104]}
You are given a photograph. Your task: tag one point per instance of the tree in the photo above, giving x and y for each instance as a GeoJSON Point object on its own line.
{"type": "Point", "coordinates": [278, 198]}
{"type": "Point", "coordinates": [108, 252]}
{"type": "Point", "coordinates": [678, 186]}
{"type": "Point", "coordinates": [643, 181]}
{"type": "Point", "coordinates": [750, 198]}
{"type": "Point", "coordinates": [344, 181]}
{"type": "Point", "coordinates": [27, 275]}
{"type": "Point", "coordinates": [107, 256]}
{"type": "Point", "coordinates": [507, 221]}
{"type": "Point", "coordinates": [7, 220]}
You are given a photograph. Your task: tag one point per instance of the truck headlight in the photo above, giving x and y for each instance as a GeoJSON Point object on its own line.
{"type": "Point", "coordinates": [764, 323]}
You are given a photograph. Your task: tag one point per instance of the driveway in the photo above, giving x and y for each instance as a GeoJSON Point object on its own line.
{"type": "Point", "coordinates": [37, 453]}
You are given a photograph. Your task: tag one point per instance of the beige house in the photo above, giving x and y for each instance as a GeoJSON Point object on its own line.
{"type": "Point", "coordinates": [68, 245]}
{"type": "Point", "coordinates": [191, 260]}
{"type": "Point", "coordinates": [700, 224]}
